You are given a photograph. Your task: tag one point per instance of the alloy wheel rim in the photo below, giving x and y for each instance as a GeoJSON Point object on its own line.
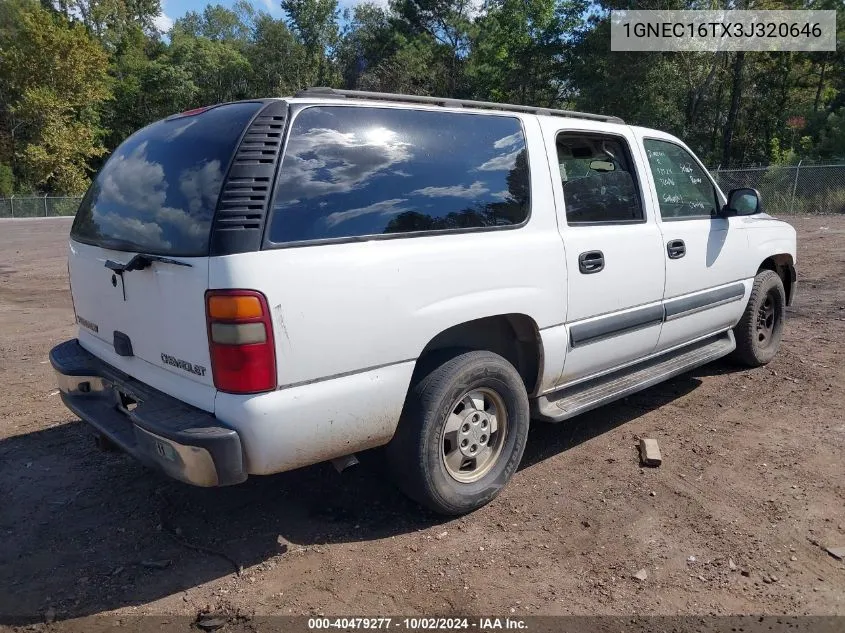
{"type": "Point", "coordinates": [474, 434]}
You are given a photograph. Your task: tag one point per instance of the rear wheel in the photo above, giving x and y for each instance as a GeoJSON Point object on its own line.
{"type": "Point", "coordinates": [759, 331]}
{"type": "Point", "coordinates": [462, 433]}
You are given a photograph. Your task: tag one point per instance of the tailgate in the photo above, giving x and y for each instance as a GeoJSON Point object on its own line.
{"type": "Point", "coordinates": [149, 323]}
{"type": "Point", "coordinates": [139, 247]}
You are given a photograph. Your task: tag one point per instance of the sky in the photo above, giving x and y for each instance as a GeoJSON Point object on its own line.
{"type": "Point", "coordinates": [173, 9]}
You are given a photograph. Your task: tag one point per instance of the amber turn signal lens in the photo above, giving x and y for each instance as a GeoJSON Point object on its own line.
{"type": "Point", "coordinates": [234, 308]}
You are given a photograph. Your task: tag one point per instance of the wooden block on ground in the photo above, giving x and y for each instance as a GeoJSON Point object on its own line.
{"type": "Point", "coordinates": [650, 452]}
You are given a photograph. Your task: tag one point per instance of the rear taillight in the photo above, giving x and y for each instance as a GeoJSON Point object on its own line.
{"type": "Point", "coordinates": [240, 337]}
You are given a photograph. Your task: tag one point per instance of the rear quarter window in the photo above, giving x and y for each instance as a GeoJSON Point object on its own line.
{"type": "Point", "coordinates": [351, 172]}
{"type": "Point", "coordinates": [158, 191]}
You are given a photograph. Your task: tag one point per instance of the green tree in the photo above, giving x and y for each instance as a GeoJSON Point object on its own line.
{"type": "Point", "coordinates": [218, 23]}
{"type": "Point", "coordinates": [109, 20]}
{"type": "Point", "coordinates": [147, 86]}
{"type": "Point", "coordinates": [830, 140]}
{"type": "Point", "coordinates": [54, 79]}
{"type": "Point", "coordinates": [279, 62]}
{"type": "Point", "coordinates": [7, 181]}
{"type": "Point", "coordinates": [645, 88]}
{"type": "Point", "coordinates": [368, 40]}
{"type": "Point", "coordinates": [218, 69]}
{"type": "Point", "coordinates": [78, 76]}
{"type": "Point", "coordinates": [444, 27]}
{"type": "Point", "coordinates": [315, 24]}
{"type": "Point", "coordinates": [416, 67]}
{"type": "Point", "coordinates": [518, 50]}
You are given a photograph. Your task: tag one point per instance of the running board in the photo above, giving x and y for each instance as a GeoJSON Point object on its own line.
{"type": "Point", "coordinates": [571, 401]}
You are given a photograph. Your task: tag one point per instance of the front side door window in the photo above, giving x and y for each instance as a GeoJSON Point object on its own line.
{"type": "Point", "coordinates": [684, 190]}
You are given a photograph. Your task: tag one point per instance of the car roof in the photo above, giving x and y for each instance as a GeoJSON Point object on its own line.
{"type": "Point", "coordinates": [333, 95]}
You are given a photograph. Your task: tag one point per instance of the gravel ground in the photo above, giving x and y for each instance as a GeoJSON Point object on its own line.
{"type": "Point", "coordinates": [735, 521]}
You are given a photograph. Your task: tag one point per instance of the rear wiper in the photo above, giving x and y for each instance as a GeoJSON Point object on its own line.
{"type": "Point", "coordinates": [139, 262]}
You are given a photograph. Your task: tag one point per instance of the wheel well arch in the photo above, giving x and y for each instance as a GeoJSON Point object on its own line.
{"type": "Point", "coordinates": [782, 265]}
{"type": "Point", "coordinates": [515, 337]}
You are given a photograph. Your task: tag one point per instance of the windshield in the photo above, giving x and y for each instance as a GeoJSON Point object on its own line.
{"type": "Point", "coordinates": [158, 191]}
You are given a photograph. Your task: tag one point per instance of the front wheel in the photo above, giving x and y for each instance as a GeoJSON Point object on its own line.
{"type": "Point", "coordinates": [759, 331]}
{"type": "Point", "coordinates": [462, 433]}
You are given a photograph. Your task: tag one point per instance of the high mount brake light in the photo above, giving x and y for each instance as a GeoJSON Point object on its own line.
{"type": "Point", "coordinates": [189, 113]}
{"type": "Point", "coordinates": [240, 339]}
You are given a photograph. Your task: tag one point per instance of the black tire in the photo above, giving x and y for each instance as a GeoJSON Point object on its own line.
{"type": "Point", "coordinates": [416, 455]}
{"type": "Point", "coordinates": [758, 334]}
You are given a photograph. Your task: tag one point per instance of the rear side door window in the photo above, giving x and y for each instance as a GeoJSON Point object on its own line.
{"type": "Point", "coordinates": [354, 172]}
{"type": "Point", "coordinates": [684, 190]}
{"type": "Point", "coordinates": [598, 179]}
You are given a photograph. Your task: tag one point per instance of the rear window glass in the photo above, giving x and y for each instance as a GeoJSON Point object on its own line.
{"type": "Point", "coordinates": [363, 171]}
{"type": "Point", "coordinates": [158, 190]}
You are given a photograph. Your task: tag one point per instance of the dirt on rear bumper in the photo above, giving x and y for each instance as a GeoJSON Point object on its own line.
{"type": "Point", "coordinates": [184, 442]}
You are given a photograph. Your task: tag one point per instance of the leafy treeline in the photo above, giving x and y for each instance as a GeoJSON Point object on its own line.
{"type": "Point", "coordinates": [78, 76]}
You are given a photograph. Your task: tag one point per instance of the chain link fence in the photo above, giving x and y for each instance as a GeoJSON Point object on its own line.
{"type": "Point", "coordinates": [38, 206]}
{"type": "Point", "coordinates": [791, 189]}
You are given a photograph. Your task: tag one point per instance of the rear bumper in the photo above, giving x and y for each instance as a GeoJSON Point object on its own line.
{"type": "Point", "coordinates": [184, 442]}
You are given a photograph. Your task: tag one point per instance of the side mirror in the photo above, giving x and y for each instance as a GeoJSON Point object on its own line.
{"type": "Point", "coordinates": [744, 201]}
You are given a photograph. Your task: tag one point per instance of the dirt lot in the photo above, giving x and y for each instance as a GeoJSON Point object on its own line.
{"type": "Point", "coordinates": [753, 473]}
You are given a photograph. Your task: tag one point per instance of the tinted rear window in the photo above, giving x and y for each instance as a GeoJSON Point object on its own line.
{"type": "Point", "coordinates": [158, 190]}
{"type": "Point", "coordinates": [359, 171]}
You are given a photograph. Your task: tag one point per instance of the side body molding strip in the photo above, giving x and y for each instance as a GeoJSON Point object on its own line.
{"type": "Point", "coordinates": [613, 324]}
{"type": "Point", "coordinates": [581, 334]}
{"type": "Point", "coordinates": [687, 305]}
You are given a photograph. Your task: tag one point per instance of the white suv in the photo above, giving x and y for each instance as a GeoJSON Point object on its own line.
{"type": "Point", "coordinates": [268, 284]}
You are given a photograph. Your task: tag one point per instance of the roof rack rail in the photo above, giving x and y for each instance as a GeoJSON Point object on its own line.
{"type": "Point", "coordinates": [451, 103]}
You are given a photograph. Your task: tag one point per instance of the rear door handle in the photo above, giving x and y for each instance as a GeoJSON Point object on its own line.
{"type": "Point", "coordinates": [676, 249]}
{"type": "Point", "coordinates": [591, 262]}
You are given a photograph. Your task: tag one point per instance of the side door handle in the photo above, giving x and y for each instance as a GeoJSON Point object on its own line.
{"type": "Point", "coordinates": [591, 262]}
{"type": "Point", "coordinates": [676, 249]}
